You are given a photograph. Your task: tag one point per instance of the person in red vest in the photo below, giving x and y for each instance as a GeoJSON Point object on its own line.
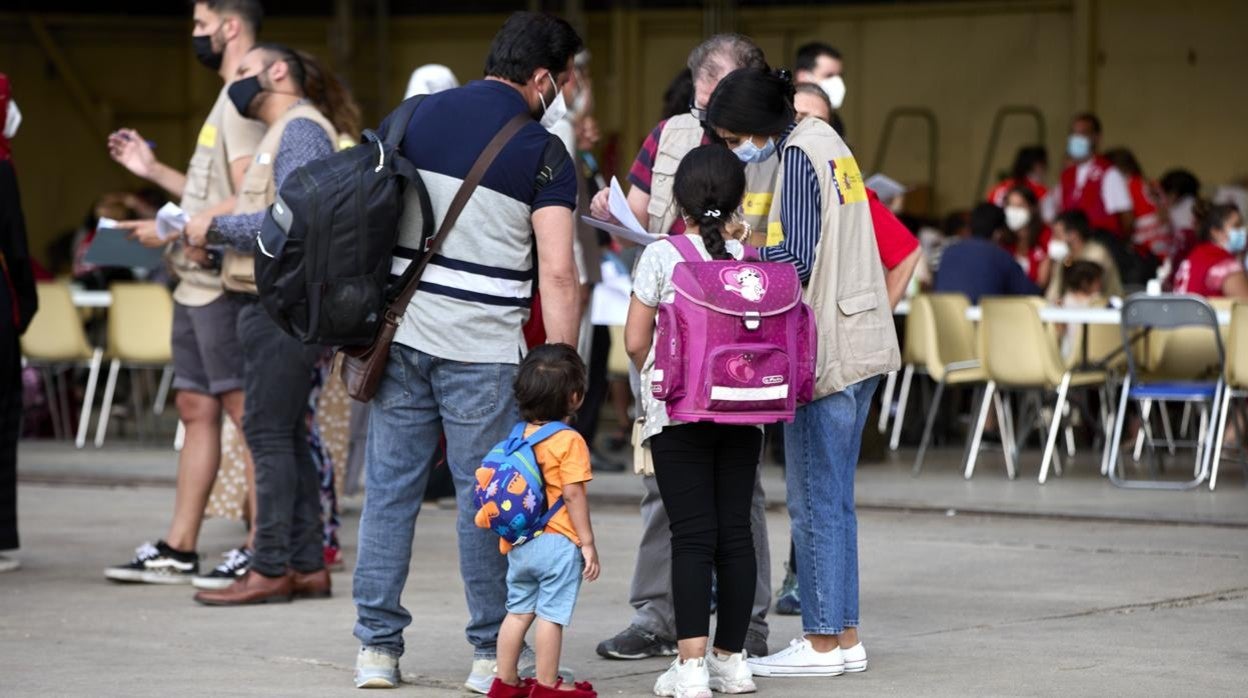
{"type": "Point", "coordinates": [1151, 235]}
{"type": "Point", "coordinates": [1030, 169]}
{"type": "Point", "coordinates": [1213, 269]}
{"type": "Point", "coordinates": [1091, 183]}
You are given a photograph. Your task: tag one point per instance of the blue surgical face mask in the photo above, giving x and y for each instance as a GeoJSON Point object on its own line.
{"type": "Point", "coordinates": [1237, 239]}
{"type": "Point", "coordinates": [747, 152]}
{"type": "Point", "coordinates": [1078, 146]}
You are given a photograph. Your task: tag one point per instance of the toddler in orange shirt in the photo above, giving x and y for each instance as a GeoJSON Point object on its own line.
{"type": "Point", "coordinates": [544, 574]}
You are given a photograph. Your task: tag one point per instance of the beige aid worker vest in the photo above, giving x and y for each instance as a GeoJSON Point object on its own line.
{"type": "Point", "coordinates": [224, 137]}
{"type": "Point", "coordinates": [857, 339]}
{"type": "Point", "coordinates": [259, 189]}
{"type": "Point", "coordinates": [681, 134]}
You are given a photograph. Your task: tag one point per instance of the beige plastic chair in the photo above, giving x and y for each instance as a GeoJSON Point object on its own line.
{"type": "Point", "coordinates": [55, 340]}
{"type": "Point", "coordinates": [1236, 379]}
{"type": "Point", "coordinates": [949, 352]}
{"type": "Point", "coordinates": [913, 359]}
{"type": "Point", "coordinates": [1020, 353]}
{"type": "Point", "coordinates": [140, 325]}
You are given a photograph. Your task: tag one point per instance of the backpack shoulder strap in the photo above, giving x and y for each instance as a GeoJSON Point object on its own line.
{"type": "Point", "coordinates": [686, 248]}
{"type": "Point", "coordinates": [546, 431]}
{"type": "Point", "coordinates": [396, 124]}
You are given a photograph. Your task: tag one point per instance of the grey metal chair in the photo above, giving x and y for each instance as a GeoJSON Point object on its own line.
{"type": "Point", "coordinates": [1195, 320]}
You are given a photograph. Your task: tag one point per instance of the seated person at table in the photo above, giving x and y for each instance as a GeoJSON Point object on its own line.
{"type": "Point", "coordinates": [977, 266]}
{"type": "Point", "coordinates": [1213, 269]}
{"type": "Point", "coordinates": [1072, 242]}
{"type": "Point", "coordinates": [1083, 282]}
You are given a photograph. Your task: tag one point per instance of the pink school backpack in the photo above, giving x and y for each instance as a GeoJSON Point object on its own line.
{"type": "Point", "coordinates": [736, 345]}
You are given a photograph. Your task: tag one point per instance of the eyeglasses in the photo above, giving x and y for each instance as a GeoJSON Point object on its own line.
{"type": "Point", "coordinates": [697, 112]}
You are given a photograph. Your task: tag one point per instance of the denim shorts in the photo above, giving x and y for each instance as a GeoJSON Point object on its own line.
{"type": "Point", "coordinates": [544, 577]}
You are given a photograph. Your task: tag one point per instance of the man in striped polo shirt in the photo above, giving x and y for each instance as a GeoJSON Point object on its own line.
{"type": "Point", "coordinates": [456, 353]}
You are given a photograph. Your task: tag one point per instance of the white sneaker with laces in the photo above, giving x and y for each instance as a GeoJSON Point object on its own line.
{"type": "Point", "coordinates": [374, 669]}
{"type": "Point", "coordinates": [855, 658]}
{"type": "Point", "coordinates": [482, 676]}
{"type": "Point", "coordinates": [799, 659]}
{"type": "Point", "coordinates": [688, 679]}
{"type": "Point", "coordinates": [729, 674]}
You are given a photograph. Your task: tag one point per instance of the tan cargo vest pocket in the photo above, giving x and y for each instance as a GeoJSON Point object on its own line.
{"type": "Point", "coordinates": [198, 176]}
{"type": "Point", "coordinates": [861, 329]}
{"type": "Point", "coordinates": [238, 272]}
{"type": "Point", "coordinates": [662, 201]}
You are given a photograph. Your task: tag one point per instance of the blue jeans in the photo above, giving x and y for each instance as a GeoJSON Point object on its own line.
{"type": "Point", "coordinates": [821, 454]}
{"type": "Point", "coordinates": [420, 398]}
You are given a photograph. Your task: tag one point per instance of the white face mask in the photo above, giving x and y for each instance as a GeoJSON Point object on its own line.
{"type": "Point", "coordinates": [1058, 250]}
{"type": "Point", "coordinates": [554, 112]}
{"type": "Point", "coordinates": [1017, 217]}
{"type": "Point", "coordinates": [12, 120]}
{"type": "Point", "coordinates": [834, 88]}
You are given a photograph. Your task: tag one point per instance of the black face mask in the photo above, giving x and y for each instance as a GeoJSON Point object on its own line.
{"type": "Point", "coordinates": [243, 92]}
{"type": "Point", "coordinates": [204, 53]}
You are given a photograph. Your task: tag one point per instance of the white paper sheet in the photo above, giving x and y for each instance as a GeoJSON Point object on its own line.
{"type": "Point", "coordinates": [610, 299]}
{"type": "Point", "coordinates": [621, 232]}
{"type": "Point", "coordinates": [170, 220]}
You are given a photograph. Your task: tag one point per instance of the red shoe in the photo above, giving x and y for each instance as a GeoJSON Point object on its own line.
{"type": "Point", "coordinates": [580, 689]}
{"type": "Point", "coordinates": [498, 689]}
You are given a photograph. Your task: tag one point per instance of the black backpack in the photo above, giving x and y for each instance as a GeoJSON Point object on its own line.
{"type": "Point", "coordinates": [324, 250]}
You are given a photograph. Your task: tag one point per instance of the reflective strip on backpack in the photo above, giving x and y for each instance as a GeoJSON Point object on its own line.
{"type": "Point", "coordinates": [772, 392]}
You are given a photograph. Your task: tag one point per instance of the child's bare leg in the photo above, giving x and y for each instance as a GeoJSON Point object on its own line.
{"type": "Point", "coordinates": [549, 644]}
{"type": "Point", "coordinates": [510, 642]}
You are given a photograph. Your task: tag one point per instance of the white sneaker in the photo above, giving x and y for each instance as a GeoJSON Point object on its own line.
{"type": "Point", "coordinates": [9, 564]}
{"type": "Point", "coordinates": [482, 676]}
{"type": "Point", "coordinates": [729, 674]}
{"type": "Point", "coordinates": [688, 679]}
{"type": "Point", "coordinates": [375, 669]}
{"type": "Point", "coordinates": [799, 659]}
{"type": "Point", "coordinates": [855, 658]}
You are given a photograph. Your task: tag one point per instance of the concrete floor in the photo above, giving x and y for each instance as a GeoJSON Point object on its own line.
{"type": "Point", "coordinates": [1014, 603]}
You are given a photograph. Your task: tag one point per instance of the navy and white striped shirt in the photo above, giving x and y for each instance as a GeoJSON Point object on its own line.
{"type": "Point", "coordinates": [801, 211]}
{"type": "Point", "coordinates": [474, 296]}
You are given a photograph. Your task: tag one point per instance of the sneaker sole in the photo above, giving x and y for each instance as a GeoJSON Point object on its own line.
{"type": "Point", "coordinates": [855, 667]}
{"type": "Point", "coordinates": [376, 682]}
{"type": "Point", "coordinates": [478, 689]}
{"type": "Point", "coordinates": [695, 693]}
{"type": "Point", "coordinates": [136, 577]}
{"type": "Point", "coordinates": [664, 652]}
{"type": "Point", "coordinates": [733, 687]}
{"type": "Point", "coordinates": [785, 672]}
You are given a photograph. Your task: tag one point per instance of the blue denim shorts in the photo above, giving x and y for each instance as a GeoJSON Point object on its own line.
{"type": "Point", "coordinates": [544, 577]}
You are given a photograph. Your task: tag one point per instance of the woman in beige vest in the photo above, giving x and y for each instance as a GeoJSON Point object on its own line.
{"type": "Point", "coordinates": [821, 223]}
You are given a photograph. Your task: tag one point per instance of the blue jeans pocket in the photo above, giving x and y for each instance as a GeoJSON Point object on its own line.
{"type": "Point", "coordinates": [471, 392]}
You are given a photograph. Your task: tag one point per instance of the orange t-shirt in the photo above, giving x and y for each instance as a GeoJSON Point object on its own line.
{"type": "Point", "coordinates": [564, 458]}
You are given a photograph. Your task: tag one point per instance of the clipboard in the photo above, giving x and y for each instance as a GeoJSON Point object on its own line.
{"type": "Point", "coordinates": [111, 248]}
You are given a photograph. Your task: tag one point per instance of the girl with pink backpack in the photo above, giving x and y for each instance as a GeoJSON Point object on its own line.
{"type": "Point", "coordinates": [721, 340]}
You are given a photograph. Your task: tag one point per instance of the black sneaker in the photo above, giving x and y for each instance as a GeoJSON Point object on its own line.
{"type": "Point", "coordinates": [156, 564]}
{"type": "Point", "coordinates": [635, 643]}
{"type": "Point", "coordinates": [235, 565]}
{"type": "Point", "coordinates": [756, 644]}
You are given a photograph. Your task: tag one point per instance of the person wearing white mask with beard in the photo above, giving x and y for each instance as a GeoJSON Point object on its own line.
{"type": "Point", "coordinates": [822, 65]}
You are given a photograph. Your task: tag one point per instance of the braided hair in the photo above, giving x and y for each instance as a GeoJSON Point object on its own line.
{"type": "Point", "coordinates": [709, 186]}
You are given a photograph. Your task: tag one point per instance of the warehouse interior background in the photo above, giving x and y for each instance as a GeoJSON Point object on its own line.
{"type": "Point", "coordinates": [929, 83]}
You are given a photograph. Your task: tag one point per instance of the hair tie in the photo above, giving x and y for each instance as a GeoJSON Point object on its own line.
{"type": "Point", "coordinates": [711, 213]}
{"type": "Point", "coordinates": [784, 74]}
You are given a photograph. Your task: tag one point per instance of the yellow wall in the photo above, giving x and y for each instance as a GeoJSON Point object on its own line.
{"type": "Point", "coordinates": [1127, 59]}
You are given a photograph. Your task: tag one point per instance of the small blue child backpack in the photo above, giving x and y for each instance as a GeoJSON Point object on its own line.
{"type": "Point", "coordinates": [511, 493]}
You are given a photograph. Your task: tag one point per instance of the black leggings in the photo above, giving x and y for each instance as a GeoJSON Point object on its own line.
{"type": "Point", "coordinates": [705, 474]}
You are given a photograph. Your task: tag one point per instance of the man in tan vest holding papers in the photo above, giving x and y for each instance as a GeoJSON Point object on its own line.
{"type": "Point", "coordinates": [277, 369]}
{"type": "Point", "coordinates": [207, 358]}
